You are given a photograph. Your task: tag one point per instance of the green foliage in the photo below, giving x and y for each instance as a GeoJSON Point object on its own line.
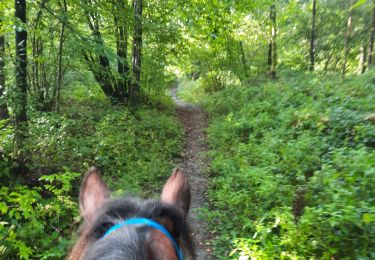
{"type": "Point", "coordinates": [190, 90]}
{"type": "Point", "coordinates": [139, 149]}
{"type": "Point", "coordinates": [134, 150]}
{"type": "Point", "coordinates": [293, 168]}
{"type": "Point", "coordinates": [293, 159]}
{"type": "Point", "coordinates": [29, 213]}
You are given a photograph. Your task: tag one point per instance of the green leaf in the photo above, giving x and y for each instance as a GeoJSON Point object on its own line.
{"type": "Point", "coordinates": [3, 208]}
{"type": "Point", "coordinates": [367, 218]}
{"type": "Point", "coordinates": [24, 251]}
{"type": "Point", "coordinates": [359, 3]}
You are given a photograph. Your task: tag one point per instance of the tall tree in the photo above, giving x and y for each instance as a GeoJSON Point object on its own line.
{"type": "Point", "coordinates": [39, 80]}
{"type": "Point", "coordinates": [122, 48]}
{"type": "Point", "coordinates": [99, 61]}
{"type": "Point", "coordinates": [3, 106]}
{"type": "Point", "coordinates": [47, 47]}
{"type": "Point", "coordinates": [269, 55]}
{"type": "Point", "coordinates": [20, 89]}
{"type": "Point", "coordinates": [243, 58]}
{"type": "Point", "coordinates": [362, 59]}
{"type": "Point", "coordinates": [312, 39]}
{"type": "Point", "coordinates": [99, 65]}
{"type": "Point", "coordinates": [57, 89]}
{"type": "Point", "coordinates": [347, 36]}
{"type": "Point", "coordinates": [273, 41]}
{"type": "Point", "coordinates": [137, 52]}
{"type": "Point", "coordinates": [372, 38]}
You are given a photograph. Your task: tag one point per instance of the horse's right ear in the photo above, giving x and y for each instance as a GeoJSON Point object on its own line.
{"type": "Point", "coordinates": [176, 191]}
{"type": "Point", "coordinates": [94, 192]}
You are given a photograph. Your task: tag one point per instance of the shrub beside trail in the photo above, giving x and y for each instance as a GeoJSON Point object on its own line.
{"type": "Point", "coordinates": [293, 168]}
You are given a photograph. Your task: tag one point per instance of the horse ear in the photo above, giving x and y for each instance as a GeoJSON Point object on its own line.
{"type": "Point", "coordinates": [92, 195]}
{"type": "Point", "coordinates": [176, 191]}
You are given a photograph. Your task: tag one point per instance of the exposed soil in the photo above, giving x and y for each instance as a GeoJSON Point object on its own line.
{"type": "Point", "coordinates": [194, 164]}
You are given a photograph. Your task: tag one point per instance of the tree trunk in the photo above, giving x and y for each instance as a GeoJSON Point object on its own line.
{"type": "Point", "coordinates": [372, 38]}
{"type": "Point", "coordinates": [336, 62]}
{"type": "Point", "coordinates": [20, 89]}
{"type": "Point", "coordinates": [100, 64]}
{"type": "Point", "coordinates": [121, 47]}
{"type": "Point", "coordinates": [312, 40]}
{"type": "Point", "coordinates": [123, 84]}
{"type": "Point", "coordinates": [362, 60]}
{"type": "Point", "coordinates": [269, 56]}
{"type": "Point", "coordinates": [39, 63]}
{"type": "Point", "coordinates": [137, 53]}
{"type": "Point", "coordinates": [327, 61]}
{"type": "Point", "coordinates": [273, 41]}
{"type": "Point", "coordinates": [347, 37]}
{"type": "Point", "coordinates": [103, 73]}
{"type": "Point", "coordinates": [56, 94]}
{"type": "Point", "coordinates": [3, 106]}
{"type": "Point", "coordinates": [243, 58]}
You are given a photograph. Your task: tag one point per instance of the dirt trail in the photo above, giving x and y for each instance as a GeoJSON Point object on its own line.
{"type": "Point", "coordinates": [194, 165]}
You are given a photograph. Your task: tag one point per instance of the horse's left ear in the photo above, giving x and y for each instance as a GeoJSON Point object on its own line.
{"type": "Point", "coordinates": [93, 193]}
{"type": "Point", "coordinates": [176, 191]}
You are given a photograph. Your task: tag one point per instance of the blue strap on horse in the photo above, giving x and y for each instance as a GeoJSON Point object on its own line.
{"type": "Point", "coordinates": [150, 223]}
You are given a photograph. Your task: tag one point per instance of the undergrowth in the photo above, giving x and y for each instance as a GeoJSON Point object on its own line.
{"type": "Point", "coordinates": [134, 150]}
{"type": "Point", "coordinates": [293, 167]}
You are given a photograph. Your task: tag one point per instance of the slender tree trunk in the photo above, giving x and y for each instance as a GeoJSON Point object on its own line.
{"type": "Point", "coordinates": [3, 106]}
{"type": "Point", "coordinates": [362, 59]}
{"type": "Point", "coordinates": [372, 38]}
{"type": "Point", "coordinates": [39, 63]}
{"type": "Point", "coordinates": [122, 87]}
{"type": "Point", "coordinates": [273, 41]}
{"type": "Point", "coordinates": [99, 64]}
{"type": "Point", "coordinates": [336, 62]}
{"type": "Point", "coordinates": [312, 40]}
{"type": "Point", "coordinates": [121, 49]}
{"type": "Point", "coordinates": [56, 94]}
{"type": "Point", "coordinates": [20, 90]}
{"type": "Point", "coordinates": [269, 55]}
{"type": "Point", "coordinates": [347, 37]}
{"type": "Point", "coordinates": [103, 73]}
{"type": "Point", "coordinates": [137, 53]}
{"type": "Point", "coordinates": [243, 58]}
{"type": "Point", "coordinates": [327, 61]}
{"type": "Point", "coordinates": [36, 53]}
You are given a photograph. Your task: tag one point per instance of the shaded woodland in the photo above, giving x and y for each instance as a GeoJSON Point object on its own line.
{"type": "Point", "coordinates": [289, 87]}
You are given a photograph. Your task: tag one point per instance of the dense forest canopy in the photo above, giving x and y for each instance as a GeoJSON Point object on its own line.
{"type": "Point", "coordinates": [289, 87]}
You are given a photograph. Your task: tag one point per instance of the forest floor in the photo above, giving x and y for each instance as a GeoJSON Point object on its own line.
{"type": "Point", "coordinates": [194, 164]}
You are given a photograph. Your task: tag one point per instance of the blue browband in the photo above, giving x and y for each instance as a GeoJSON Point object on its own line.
{"type": "Point", "coordinates": [150, 223]}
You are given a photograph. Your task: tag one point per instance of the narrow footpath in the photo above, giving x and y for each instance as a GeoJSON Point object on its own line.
{"type": "Point", "coordinates": [194, 164]}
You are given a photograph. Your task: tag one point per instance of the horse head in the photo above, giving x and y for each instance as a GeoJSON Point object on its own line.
{"type": "Point", "coordinates": [132, 228]}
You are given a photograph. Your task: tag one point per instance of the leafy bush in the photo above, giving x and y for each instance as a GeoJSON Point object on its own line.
{"type": "Point", "coordinates": [27, 216]}
{"type": "Point", "coordinates": [293, 166]}
{"type": "Point", "coordinates": [137, 153]}
{"type": "Point", "coordinates": [210, 82]}
{"type": "Point", "coordinates": [134, 150]}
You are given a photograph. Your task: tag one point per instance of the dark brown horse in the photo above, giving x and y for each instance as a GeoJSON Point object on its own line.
{"type": "Point", "coordinates": [131, 228]}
